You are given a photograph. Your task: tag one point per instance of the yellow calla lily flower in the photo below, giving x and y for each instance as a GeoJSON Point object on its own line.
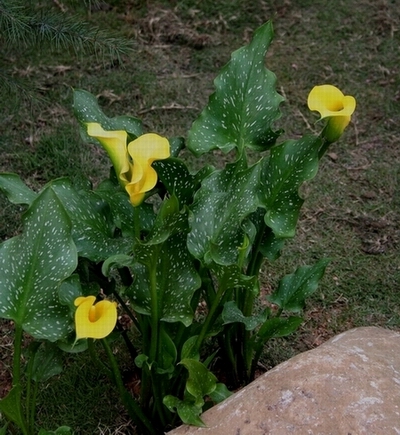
{"type": "Point", "coordinates": [331, 103]}
{"type": "Point", "coordinates": [94, 320]}
{"type": "Point", "coordinates": [132, 162]}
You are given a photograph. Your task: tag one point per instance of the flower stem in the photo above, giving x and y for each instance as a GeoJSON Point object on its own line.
{"type": "Point", "coordinates": [16, 379]}
{"type": "Point", "coordinates": [134, 410]}
{"type": "Point", "coordinates": [210, 317]}
{"type": "Point", "coordinates": [155, 323]}
{"type": "Point", "coordinates": [136, 222]}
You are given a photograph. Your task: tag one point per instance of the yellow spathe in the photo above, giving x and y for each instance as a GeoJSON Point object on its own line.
{"type": "Point", "coordinates": [132, 162]}
{"type": "Point", "coordinates": [94, 320]}
{"type": "Point", "coordinates": [331, 103]}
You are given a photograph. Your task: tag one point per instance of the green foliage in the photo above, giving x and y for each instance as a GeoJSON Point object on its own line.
{"type": "Point", "coordinates": [28, 25]}
{"type": "Point", "coordinates": [33, 265]}
{"type": "Point", "coordinates": [245, 104]}
{"type": "Point", "coordinates": [183, 265]}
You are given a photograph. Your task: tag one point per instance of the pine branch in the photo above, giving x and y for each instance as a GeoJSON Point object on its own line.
{"type": "Point", "coordinates": [62, 32]}
{"type": "Point", "coordinates": [14, 26]}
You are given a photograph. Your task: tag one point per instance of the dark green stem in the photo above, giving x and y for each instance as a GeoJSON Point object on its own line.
{"type": "Point", "coordinates": [133, 408]}
{"type": "Point", "coordinates": [32, 409]}
{"type": "Point", "coordinates": [16, 381]}
{"type": "Point", "coordinates": [31, 397]}
{"type": "Point", "coordinates": [210, 317]}
{"type": "Point", "coordinates": [99, 364]}
{"type": "Point", "coordinates": [155, 315]}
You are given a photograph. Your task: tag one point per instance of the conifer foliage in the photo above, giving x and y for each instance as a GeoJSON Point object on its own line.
{"type": "Point", "coordinates": [27, 26]}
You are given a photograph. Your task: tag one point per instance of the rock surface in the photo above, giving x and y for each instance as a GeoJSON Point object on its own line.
{"type": "Point", "coordinates": [350, 385]}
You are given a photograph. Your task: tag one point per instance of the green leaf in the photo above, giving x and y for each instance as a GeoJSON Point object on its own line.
{"type": "Point", "coordinates": [32, 266]}
{"type": "Point", "coordinates": [176, 145]}
{"type": "Point", "coordinates": [232, 314]}
{"type": "Point", "coordinates": [293, 289]}
{"type": "Point", "coordinates": [86, 110]}
{"type": "Point", "coordinates": [122, 210]}
{"type": "Point", "coordinates": [47, 362]}
{"type": "Point", "coordinates": [218, 216]}
{"type": "Point", "coordinates": [278, 327]}
{"type": "Point", "coordinates": [177, 179]}
{"type": "Point", "coordinates": [16, 190]}
{"type": "Point", "coordinates": [9, 406]}
{"type": "Point", "coordinates": [69, 290]}
{"type": "Point", "coordinates": [220, 393]}
{"type": "Point", "coordinates": [289, 165]}
{"type": "Point", "coordinates": [244, 106]}
{"type": "Point", "coordinates": [3, 429]}
{"type": "Point", "coordinates": [92, 228]}
{"type": "Point", "coordinates": [232, 277]}
{"type": "Point", "coordinates": [115, 262]}
{"type": "Point", "coordinates": [176, 279]}
{"type": "Point", "coordinates": [201, 382]}
{"type": "Point", "coordinates": [168, 354]}
{"type": "Point", "coordinates": [141, 359]}
{"type": "Point", "coordinates": [170, 220]}
{"type": "Point", "coordinates": [188, 412]}
{"type": "Point", "coordinates": [188, 349]}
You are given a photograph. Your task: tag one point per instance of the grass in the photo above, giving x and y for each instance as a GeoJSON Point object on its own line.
{"type": "Point", "coordinates": [352, 208]}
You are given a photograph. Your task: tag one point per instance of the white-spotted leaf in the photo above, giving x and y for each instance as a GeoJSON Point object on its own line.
{"type": "Point", "coordinates": [278, 327]}
{"type": "Point", "coordinates": [289, 165]}
{"type": "Point", "coordinates": [122, 210]}
{"type": "Point", "coordinates": [187, 410]}
{"type": "Point", "coordinates": [86, 109]}
{"type": "Point", "coordinates": [241, 111]}
{"type": "Point", "coordinates": [176, 279]}
{"type": "Point", "coordinates": [218, 216]}
{"type": "Point", "coordinates": [32, 266]}
{"type": "Point", "coordinates": [93, 229]}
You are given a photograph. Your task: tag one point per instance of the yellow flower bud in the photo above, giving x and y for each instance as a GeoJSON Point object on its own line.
{"type": "Point", "coordinates": [94, 320]}
{"type": "Point", "coordinates": [330, 102]}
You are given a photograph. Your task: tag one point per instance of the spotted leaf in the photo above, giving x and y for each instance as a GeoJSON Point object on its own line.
{"type": "Point", "coordinates": [86, 109]}
{"type": "Point", "coordinates": [290, 164]}
{"type": "Point", "coordinates": [218, 216]}
{"type": "Point", "coordinates": [177, 179]}
{"type": "Point", "coordinates": [93, 229]}
{"type": "Point", "coordinates": [122, 210]}
{"type": "Point", "coordinates": [244, 106]}
{"type": "Point", "coordinates": [175, 278]}
{"type": "Point", "coordinates": [32, 266]}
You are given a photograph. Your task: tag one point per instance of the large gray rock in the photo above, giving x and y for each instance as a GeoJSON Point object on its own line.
{"type": "Point", "coordinates": [350, 385]}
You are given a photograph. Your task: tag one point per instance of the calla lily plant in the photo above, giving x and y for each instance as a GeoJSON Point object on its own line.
{"type": "Point", "coordinates": [180, 251]}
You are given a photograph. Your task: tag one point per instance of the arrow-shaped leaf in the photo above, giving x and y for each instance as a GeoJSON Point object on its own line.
{"type": "Point", "coordinates": [92, 222]}
{"type": "Point", "coordinates": [32, 266]}
{"type": "Point", "coordinates": [176, 280]}
{"type": "Point", "coordinates": [245, 104]}
{"type": "Point", "coordinates": [289, 165]}
{"type": "Point", "coordinates": [293, 289]}
{"type": "Point", "coordinates": [225, 199]}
